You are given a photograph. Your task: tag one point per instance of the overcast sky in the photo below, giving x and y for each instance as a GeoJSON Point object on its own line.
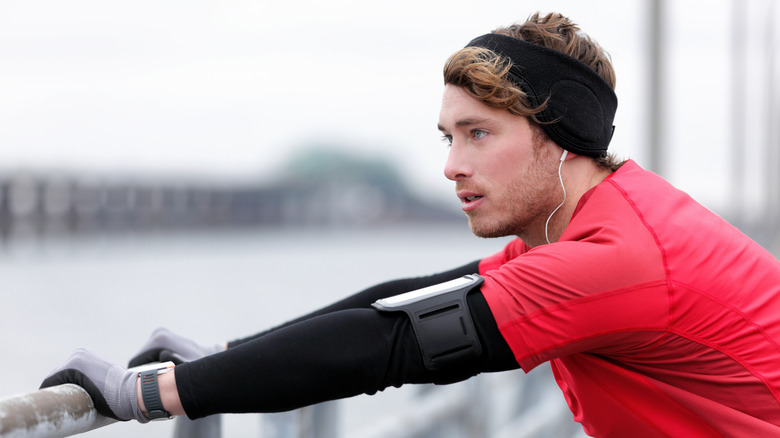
{"type": "Point", "coordinates": [228, 88]}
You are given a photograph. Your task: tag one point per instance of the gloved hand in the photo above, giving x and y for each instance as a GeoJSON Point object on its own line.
{"type": "Point", "coordinates": [111, 387]}
{"type": "Point", "coordinates": [165, 345]}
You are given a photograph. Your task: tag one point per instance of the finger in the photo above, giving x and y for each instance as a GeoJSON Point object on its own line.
{"type": "Point", "coordinates": [77, 377]}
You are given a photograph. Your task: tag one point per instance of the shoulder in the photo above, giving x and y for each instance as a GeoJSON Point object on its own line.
{"type": "Point", "coordinates": [512, 250]}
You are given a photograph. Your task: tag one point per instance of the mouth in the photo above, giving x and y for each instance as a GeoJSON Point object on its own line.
{"type": "Point", "coordinates": [469, 200]}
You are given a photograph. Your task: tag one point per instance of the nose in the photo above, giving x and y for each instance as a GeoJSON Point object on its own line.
{"type": "Point", "coordinates": [457, 166]}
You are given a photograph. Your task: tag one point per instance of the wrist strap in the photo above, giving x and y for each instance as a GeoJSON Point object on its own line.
{"type": "Point", "coordinates": [150, 393]}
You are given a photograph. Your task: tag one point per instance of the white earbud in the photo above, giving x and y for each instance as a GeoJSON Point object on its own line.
{"type": "Point", "coordinates": [560, 178]}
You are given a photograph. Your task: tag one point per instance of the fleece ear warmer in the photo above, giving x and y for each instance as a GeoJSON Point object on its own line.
{"type": "Point", "coordinates": [581, 106]}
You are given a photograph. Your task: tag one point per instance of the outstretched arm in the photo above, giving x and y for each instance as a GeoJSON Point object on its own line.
{"type": "Point", "coordinates": [338, 355]}
{"type": "Point", "coordinates": [333, 353]}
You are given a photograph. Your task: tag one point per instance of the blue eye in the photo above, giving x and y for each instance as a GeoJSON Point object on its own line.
{"type": "Point", "coordinates": [447, 139]}
{"type": "Point", "coordinates": [478, 134]}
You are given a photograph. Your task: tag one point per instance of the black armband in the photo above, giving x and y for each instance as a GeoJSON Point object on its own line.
{"type": "Point", "coordinates": [441, 320]}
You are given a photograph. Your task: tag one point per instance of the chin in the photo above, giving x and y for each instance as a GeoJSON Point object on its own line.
{"type": "Point", "coordinates": [489, 231]}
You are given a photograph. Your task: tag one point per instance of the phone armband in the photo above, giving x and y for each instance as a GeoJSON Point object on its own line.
{"type": "Point", "coordinates": [441, 320]}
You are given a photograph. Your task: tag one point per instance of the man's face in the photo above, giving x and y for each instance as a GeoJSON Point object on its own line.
{"type": "Point", "coordinates": [505, 175]}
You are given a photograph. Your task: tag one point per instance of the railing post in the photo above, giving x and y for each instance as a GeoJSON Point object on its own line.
{"type": "Point", "coordinates": [207, 427]}
{"type": "Point", "coordinates": [317, 421]}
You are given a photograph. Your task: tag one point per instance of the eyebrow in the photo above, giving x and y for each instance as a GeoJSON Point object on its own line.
{"type": "Point", "coordinates": [465, 122]}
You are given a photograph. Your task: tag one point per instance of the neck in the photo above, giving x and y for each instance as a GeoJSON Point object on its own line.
{"type": "Point", "coordinates": [579, 175]}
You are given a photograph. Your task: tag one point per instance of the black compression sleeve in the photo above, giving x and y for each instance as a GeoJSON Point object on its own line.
{"type": "Point", "coordinates": [363, 299]}
{"type": "Point", "coordinates": [335, 355]}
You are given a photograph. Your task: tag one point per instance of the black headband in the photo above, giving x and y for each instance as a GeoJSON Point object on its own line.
{"type": "Point", "coordinates": [581, 107]}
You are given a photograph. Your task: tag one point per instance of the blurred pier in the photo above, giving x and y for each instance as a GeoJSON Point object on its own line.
{"type": "Point", "coordinates": [34, 204]}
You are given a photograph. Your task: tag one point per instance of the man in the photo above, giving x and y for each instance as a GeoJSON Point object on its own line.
{"type": "Point", "coordinates": [658, 318]}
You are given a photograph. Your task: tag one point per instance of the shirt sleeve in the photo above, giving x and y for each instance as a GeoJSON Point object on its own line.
{"type": "Point", "coordinates": [364, 298]}
{"type": "Point", "coordinates": [335, 355]}
{"type": "Point", "coordinates": [513, 249]}
{"type": "Point", "coordinates": [604, 278]}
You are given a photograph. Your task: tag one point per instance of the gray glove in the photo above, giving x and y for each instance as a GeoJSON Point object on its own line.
{"type": "Point", "coordinates": [165, 345]}
{"type": "Point", "coordinates": [111, 387]}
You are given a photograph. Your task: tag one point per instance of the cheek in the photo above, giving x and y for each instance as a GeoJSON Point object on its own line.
{"type": "Point", "coordinates": [507, 169]}
{"type": "Point", "coordinates": [530, 179]}
{"type": "Point", "coordinates": [513, 160]}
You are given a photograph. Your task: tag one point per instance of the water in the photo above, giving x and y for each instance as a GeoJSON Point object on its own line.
{"type": "Point", "coordinates": [108, 294]}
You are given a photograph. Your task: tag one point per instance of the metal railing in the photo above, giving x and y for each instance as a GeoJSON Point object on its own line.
{"type": "Point", "coordinates": [495, 405]}
{"type": "Point", "coordinates": [65, 410]}
{"type": "Point", "coordinates": [52, 412]}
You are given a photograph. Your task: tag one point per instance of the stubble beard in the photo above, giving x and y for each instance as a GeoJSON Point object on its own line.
{"type": "Point", "coordinates": [524, 205]}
